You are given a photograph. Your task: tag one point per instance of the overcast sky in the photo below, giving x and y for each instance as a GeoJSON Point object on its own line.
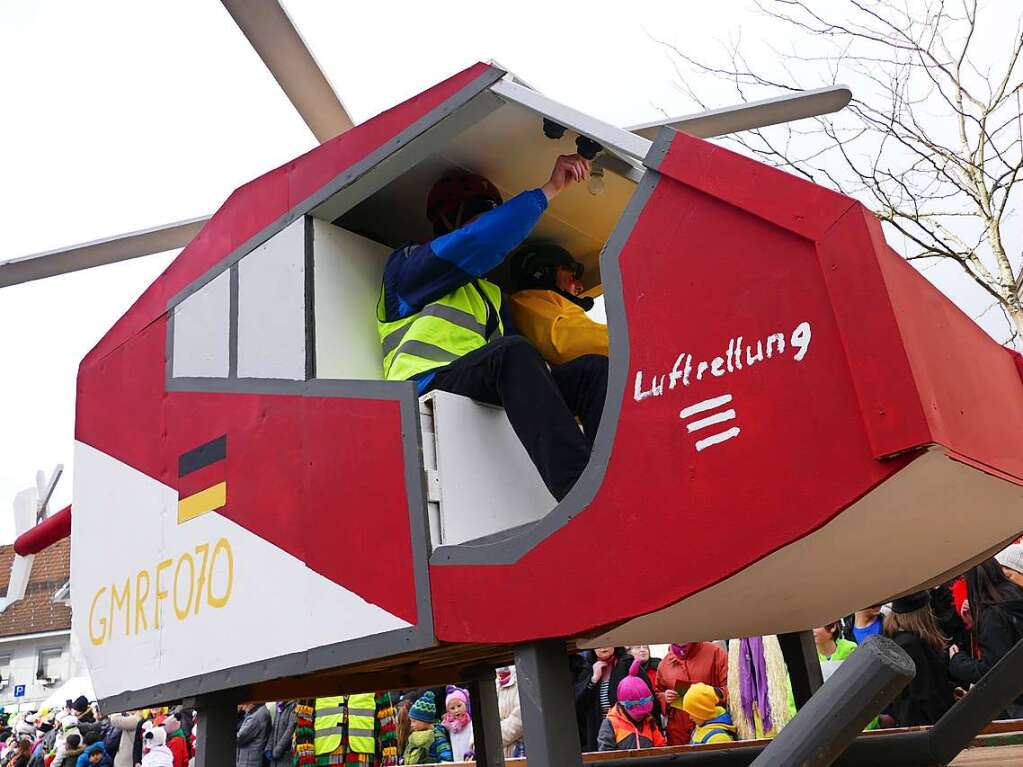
{"type": "Point", "coordinates": [122, 115]}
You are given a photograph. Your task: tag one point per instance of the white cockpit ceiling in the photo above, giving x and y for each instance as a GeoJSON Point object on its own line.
{"type": "Point", "coordinates": [509, 147]}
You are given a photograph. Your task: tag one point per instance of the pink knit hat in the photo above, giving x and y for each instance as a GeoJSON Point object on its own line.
{"type": "Point", "coordinates": [457, 694]}
{"type": "Point", "coordinates": [632, 690]}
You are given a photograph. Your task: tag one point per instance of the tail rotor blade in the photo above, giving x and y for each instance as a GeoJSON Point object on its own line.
{"type": "Point", "coordinates": [755, 114]}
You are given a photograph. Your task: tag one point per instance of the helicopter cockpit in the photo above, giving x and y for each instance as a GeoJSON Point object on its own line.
{"type": "Point", "coordinates": [301, 305]}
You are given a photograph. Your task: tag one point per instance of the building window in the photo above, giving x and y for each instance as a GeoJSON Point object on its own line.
{"type": "Point", "coordinates": [5, 670]}
{"type": "Point", "coordinates": [49, 667]}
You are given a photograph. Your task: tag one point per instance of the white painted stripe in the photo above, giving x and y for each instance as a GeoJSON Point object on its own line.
{"type": "Point", "coordinates": [707, 404]}
{"type": "Point", "coordinates": [716, 438]}
{"type": "Point", "coordinates": [703, 423]}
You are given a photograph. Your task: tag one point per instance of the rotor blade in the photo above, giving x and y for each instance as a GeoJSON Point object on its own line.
{"type": "Point", "coordinates": [99, 252]}
{"type": "Point", "coordinates": [44, 500]}
{"type": "Point", "coordinates": [755, 114]}
{"type": "Point", "coordinates": [269, 30]}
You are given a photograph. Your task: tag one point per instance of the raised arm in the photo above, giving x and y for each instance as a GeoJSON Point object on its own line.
{"type": "Point", "coordinates": [416, 276]}
{"type": "Point", "coordinates": [421, 274]}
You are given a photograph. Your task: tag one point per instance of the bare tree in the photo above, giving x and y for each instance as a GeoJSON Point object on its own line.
{"type": "Point", "coordinates": [933, 139]}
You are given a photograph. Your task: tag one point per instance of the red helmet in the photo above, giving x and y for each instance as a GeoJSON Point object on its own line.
{"type": "Point", "coordinates": [458, 197]}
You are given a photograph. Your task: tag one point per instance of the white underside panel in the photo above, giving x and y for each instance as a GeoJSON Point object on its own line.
{"type": "Point", "coordinates": [920, 527]}
{"type": "Point", "coordinates": [126, 523]}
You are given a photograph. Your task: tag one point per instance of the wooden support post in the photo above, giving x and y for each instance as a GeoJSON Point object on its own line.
{"type": "Point", "coordinates": [548, 705]}
{"type": "Point", "coordinates": [486, 718]}
{"type": "Point", "coordinates": [863, 685]}
{"type": "Point", "coordinates": [215, 740]}
{"type": "Point", "coordinates": [800, 652]}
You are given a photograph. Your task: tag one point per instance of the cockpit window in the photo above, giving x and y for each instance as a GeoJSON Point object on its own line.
{"type": "Point", "coordinates": [201, 332]}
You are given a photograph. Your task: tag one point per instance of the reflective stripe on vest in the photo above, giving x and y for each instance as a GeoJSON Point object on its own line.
{"type": "Point", "coordinates": [449, 328]}
{"type": "Point", "coordinates": [362, 717]}
{"type": "Point", "coordinates": [327, 724]}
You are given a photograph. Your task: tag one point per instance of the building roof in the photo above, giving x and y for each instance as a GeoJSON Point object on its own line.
{"type": "Point", "coordinates": [37, 612]}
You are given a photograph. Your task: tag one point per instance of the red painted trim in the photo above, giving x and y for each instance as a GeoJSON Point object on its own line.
{"type": "Point", "coordinates": [850, 252]}
{"type": "Point", "coordinates": [54, 528]}
{"type": "Point", "coordinates": [969, 390]}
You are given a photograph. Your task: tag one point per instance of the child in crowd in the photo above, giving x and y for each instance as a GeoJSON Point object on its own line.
{"type": "Point", "coordinates": [831, 645]}
{"type": "Point", "coordinates": [96, 754]}
{"type": "Point", "coordinates": [713, 723]}
{"type": "Point", "coordinates": [69, 749]}
{"type": "Point", "coordinates": [459, 724]}
{"type": "Point", "coordinates": [402, 721]}
{"type": "Point", "coordinates": [629, 725]}
{"type": "Point", "coordinates": [428, 742]}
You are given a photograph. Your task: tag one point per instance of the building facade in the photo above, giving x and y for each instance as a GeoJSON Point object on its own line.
{"type": "Point", "coordinates": [37, 655]}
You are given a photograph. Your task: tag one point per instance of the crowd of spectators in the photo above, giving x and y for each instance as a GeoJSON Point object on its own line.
{"type": "Point", "coordinates": [698, 693]}
{"type": "Point", "coordinates": [79, 735]}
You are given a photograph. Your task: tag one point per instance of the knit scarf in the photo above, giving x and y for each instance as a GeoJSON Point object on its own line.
{"type": "Point", "coordinates": [456, 723]}
{"type": "Point", "coordinates": [682, 650]}
{"type": "Point", "coordinates": [305, 749]}
{"type": "Point", "coordinates": [418, 749]}
{"type": "Point", "coordinates": [753, 680]}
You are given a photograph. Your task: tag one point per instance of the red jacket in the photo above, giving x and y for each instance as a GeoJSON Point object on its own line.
{"type": "Point", "coordinates": [179, 748]}
{"type": "Point", "coordinates": [704, 662]}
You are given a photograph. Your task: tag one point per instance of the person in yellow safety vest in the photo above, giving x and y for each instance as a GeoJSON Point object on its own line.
{"type": "Point", "coordinates": [444, 326]}
{"type": "Point", "coordinates": [328, 728]}
{"type": "Point", "coordinates": [362, 718]}
{"type": "Point", "coordinates": [344, 728]}
{"type": "Point", "coordinates": [548, 306]}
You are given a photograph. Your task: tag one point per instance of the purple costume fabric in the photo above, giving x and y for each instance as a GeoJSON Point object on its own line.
{"type": "Point", "coordinates": [753, 681]}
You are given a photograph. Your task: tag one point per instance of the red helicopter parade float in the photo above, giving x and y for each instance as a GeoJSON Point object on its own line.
{"type": "Point", "coordinates": [785, 391]}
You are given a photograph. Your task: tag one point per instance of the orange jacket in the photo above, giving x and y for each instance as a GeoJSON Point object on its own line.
{"type": "Point", "coordinates": [619, 732]}
{"type": "Point", "coordinates": [560, 329]}
{"type": "Point", "coordinates": [705, 662]}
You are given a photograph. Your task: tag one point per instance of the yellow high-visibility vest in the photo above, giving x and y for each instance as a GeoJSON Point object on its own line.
{"type": "Point", "coordinates": [328, 721]}
{"type": "Point", "coordinates": [449, 328]}
{"type": "Point", "coordinates": [362, 718]}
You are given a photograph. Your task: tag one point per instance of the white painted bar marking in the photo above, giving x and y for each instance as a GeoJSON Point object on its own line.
{"type": "Point", "coordinates": [707, 404]}
{"type": "Point", "coordinates": [716, 438]}
{"type": "Point", "coordinates": [703, 423]}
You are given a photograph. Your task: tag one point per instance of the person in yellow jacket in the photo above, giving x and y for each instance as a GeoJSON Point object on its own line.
{"type": "Point", "coordinates": [548, 307]}
{"type": "Point", "coordinates": [713, 722]}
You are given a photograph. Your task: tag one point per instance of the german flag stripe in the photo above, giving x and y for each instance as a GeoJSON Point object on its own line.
{"type": "Point", "coordinates": [202, 456]}
{"type": "Point", "coordinates": [200, 479]}
{"type": "Point", "coordinates": [204, 501]}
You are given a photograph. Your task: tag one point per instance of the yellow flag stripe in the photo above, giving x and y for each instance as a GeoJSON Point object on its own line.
{"type": "Point", "coordinates": [205, 500]}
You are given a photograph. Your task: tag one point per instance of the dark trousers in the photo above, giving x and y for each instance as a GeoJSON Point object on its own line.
{"type": "Point", "coordinates": [541, 404]}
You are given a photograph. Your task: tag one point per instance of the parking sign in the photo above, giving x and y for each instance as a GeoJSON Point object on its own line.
{"type": "Point", "coordinates": [19, 691]}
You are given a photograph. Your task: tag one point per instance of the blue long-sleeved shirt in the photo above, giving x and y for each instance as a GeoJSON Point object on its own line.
{"type": "Point", "coordinates": [418, 275]}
